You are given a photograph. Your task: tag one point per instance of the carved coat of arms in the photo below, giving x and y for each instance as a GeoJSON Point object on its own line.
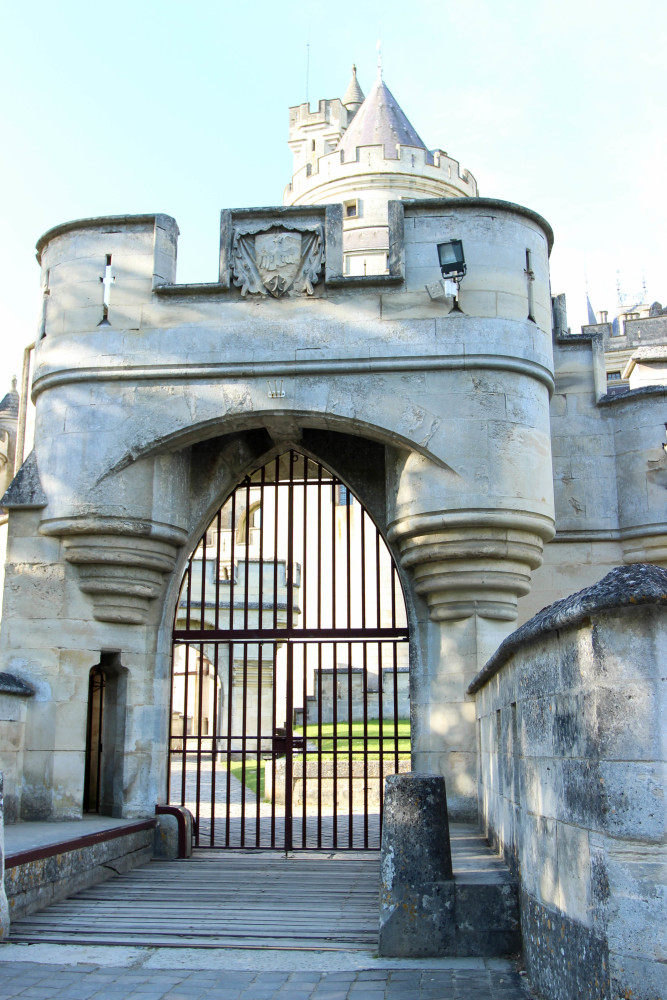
{"type": "Point", "coordinates": [276, 260]}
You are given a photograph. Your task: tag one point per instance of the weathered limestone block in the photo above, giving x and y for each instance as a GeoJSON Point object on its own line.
{"type": "Point", "coordinates": [417, 894]}
{"type": "Point", "coordinates": [14, 695]}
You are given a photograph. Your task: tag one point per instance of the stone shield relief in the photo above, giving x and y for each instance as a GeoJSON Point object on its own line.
{"type": "Point", "coordinates": [276, 260]}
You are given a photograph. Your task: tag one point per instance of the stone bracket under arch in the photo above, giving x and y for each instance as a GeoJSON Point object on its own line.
{"type": "Point", "coordinates": [122, 564]}
{"type": "Point", "coordinates": [472, 562]}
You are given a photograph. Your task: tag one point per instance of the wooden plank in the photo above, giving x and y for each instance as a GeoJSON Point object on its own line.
{"type": "Point", "coordinates": [223, 900]}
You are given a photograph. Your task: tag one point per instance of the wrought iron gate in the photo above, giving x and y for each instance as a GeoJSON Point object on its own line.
{"type": "Point", "coordinates": [290, 694]}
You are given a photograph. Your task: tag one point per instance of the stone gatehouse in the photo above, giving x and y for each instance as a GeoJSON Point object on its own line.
{"type": "Point", "coordinates": [472, 427]}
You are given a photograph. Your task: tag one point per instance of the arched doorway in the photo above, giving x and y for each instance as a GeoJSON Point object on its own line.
{"type": "Point", "coordinates": [105, 736]}
{"type": "Point", "coordinates": [290, 680]}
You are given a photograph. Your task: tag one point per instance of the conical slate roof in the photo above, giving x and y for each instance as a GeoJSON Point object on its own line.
{"type": "Point", "coordinates": [9, 407]}
{"type": "Point", "coordinates": [379, 121]}
{"type": "Point", "coordinates": [354, 94]}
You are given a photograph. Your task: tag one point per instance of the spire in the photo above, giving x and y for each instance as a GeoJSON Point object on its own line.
{"type": "Point", "coordinates": [354, 95]}
{"type": "Point", "coordinates": [379, 121]}
{"type": "Point", "coordinates": [9, 407]}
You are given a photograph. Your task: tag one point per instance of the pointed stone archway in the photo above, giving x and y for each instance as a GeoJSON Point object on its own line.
{"type": "Point", "coordinates": [290, 695]}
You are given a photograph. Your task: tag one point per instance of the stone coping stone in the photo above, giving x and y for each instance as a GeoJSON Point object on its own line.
{"type": "Point", "coordinates": [11, 684]}
{"type": "Point", "coordinates": [637, 585]}
{"type": "Point", "coordinates": [25, 842]}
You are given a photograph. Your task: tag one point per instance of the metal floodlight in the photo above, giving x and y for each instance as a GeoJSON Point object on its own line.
{"type": "Point", "coordinates": [452, 261]}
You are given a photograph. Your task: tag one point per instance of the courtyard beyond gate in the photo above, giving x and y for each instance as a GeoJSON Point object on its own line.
{"type": "Point", "coordinates": [290, 679]}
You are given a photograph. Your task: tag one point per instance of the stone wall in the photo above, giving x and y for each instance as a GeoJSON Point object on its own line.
{"type": "Point", "coordinates": [571, 784]}
{"type": "Point", "coordinates": [36, 878]}
{"type": "Point", "coordinates": [14, 695]}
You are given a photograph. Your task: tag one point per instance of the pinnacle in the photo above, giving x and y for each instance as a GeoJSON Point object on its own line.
{"type": "Point", "coordinates": [354, 95]}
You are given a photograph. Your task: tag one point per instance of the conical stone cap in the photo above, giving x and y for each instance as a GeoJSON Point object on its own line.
{"type": "Point", "coordinates": [9, 407]}
{"type": "Point", "coordinates": [379, 121]}
{"type": "Point", "coordinates": [354, 95]}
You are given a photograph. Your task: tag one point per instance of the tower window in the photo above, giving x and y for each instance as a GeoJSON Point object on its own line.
{"type": "Point", "coordinates": [613, 376]}
{"type": "Point", "coordinates": [312, 145]}
{"type": "Point", "coordinates": [351, 209]}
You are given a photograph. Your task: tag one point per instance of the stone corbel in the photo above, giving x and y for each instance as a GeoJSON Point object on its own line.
{"type": "Point", "coordinates": [121, 563]}
{"type": "Point", "coordinates": [645, 544]}
{"type": "Point", "coordinates": [472, 562]}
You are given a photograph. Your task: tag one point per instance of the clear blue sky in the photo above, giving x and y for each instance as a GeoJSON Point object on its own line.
{"type": "Point", "coordinates": [127, 107]}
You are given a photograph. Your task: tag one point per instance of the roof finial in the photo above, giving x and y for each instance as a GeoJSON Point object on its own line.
{"type": "Point", "coordinates": [14, 383]}
{"type": "Point", "coordinates": [379, 48]}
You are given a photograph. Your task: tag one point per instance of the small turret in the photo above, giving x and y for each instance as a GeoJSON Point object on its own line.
{"type": "Point", "coordinates": [354, 95]}
{"type": "Point", "coordinates": [9, 418]}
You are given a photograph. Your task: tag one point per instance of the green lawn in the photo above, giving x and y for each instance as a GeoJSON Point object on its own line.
{"type": "Point", "coordinates": [235, 766]}
{"type": "Point", "coordinates": [340, 739]}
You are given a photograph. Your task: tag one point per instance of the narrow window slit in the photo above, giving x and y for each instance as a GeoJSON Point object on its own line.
{"type": "Point", "coordinates": [107, 281]}
{"type": "Point", "coordinates": [530, 278]}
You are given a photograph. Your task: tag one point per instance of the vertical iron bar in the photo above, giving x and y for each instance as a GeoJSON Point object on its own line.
{"type": "Point", "coordinates": [289, 712]}
{"type": "Point", "coordinates": [260, 597]}
{"type": "Point", "coordinates": [202, 607]}
{"type": "Point", "coordinates": [244, 730]}
{"type": "Point", "coordinates": [365, 711]}
{"type": "Point", "coordinates": [395, 673]}
{"type": "Point", "coordinates": [304, 552]}
{"type": "Point", "coordinates": [380, 732]}
{"type": "Point", "coordinates": [305, 649]}
{"type": "Point", "coordinates": [362, 518]}
{"type": "Point", "coordinates": [186, 680]}
{"type": "Point", "coordinates": [228, 753]}
{"type": "Point", "coordinates": [348, 567]}
{"type": "Point", "coordinates": [350, 786]}
{"type": "Point", "coordinates": [199, 677]}
{"type": "Point", "coordinates": [246, 587]}
{"type": "Point", "coordinates": [232, 561]}
{"type": "Point", "coordinates": [188, 594]}
{"type": "Point", "coordinates": [289, 699]}
{"type": "Point", "coordinates": [274, 719]}
{"type": "Point", "coordinates": [378, 597]}
{"type": "Point", "coordinates": [170, 751]}
{"type": "Point", "coordinates": [335, 744]}
{"type": "Point", "coordinates": [276, 492]}
{"type": "Point", "coordinates": [289, 564]}
{"type": "Point", "coordinates": [333, 552]}
{"type": "Point", "coordinates": [218, 527]}
{"type": "Point", "coordinates": [319, 546]}
{"type": "Point", "coordinates": [305, 654]}
{"type": "Point", "coordinates": [214, 732]}
{"type": "Point", "coordinates": [319, 744]}
{"type": "Point", "coordinates": [258, 743]}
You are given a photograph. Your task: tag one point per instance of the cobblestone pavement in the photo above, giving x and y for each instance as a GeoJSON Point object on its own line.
{"type": "Point", "coordinates": [85, 982]}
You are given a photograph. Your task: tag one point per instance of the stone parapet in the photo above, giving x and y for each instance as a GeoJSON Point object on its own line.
{"type": "Point", "coordinates": [37, 877]}
{"type": "Point", "coordinates": [570, 721]}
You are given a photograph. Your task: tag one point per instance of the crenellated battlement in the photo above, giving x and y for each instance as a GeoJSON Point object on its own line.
{"type": "Point", "coordinates": [329, 112]}
{"type": "Point", "coordinates": [431, 175]}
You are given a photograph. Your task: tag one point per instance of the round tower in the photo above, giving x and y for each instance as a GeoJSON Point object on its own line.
{"type": "Point", "coordinates": [364, 152]}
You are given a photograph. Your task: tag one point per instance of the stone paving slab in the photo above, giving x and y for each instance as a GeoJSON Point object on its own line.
{"type": "Point", "coordinates": [43, 972]}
